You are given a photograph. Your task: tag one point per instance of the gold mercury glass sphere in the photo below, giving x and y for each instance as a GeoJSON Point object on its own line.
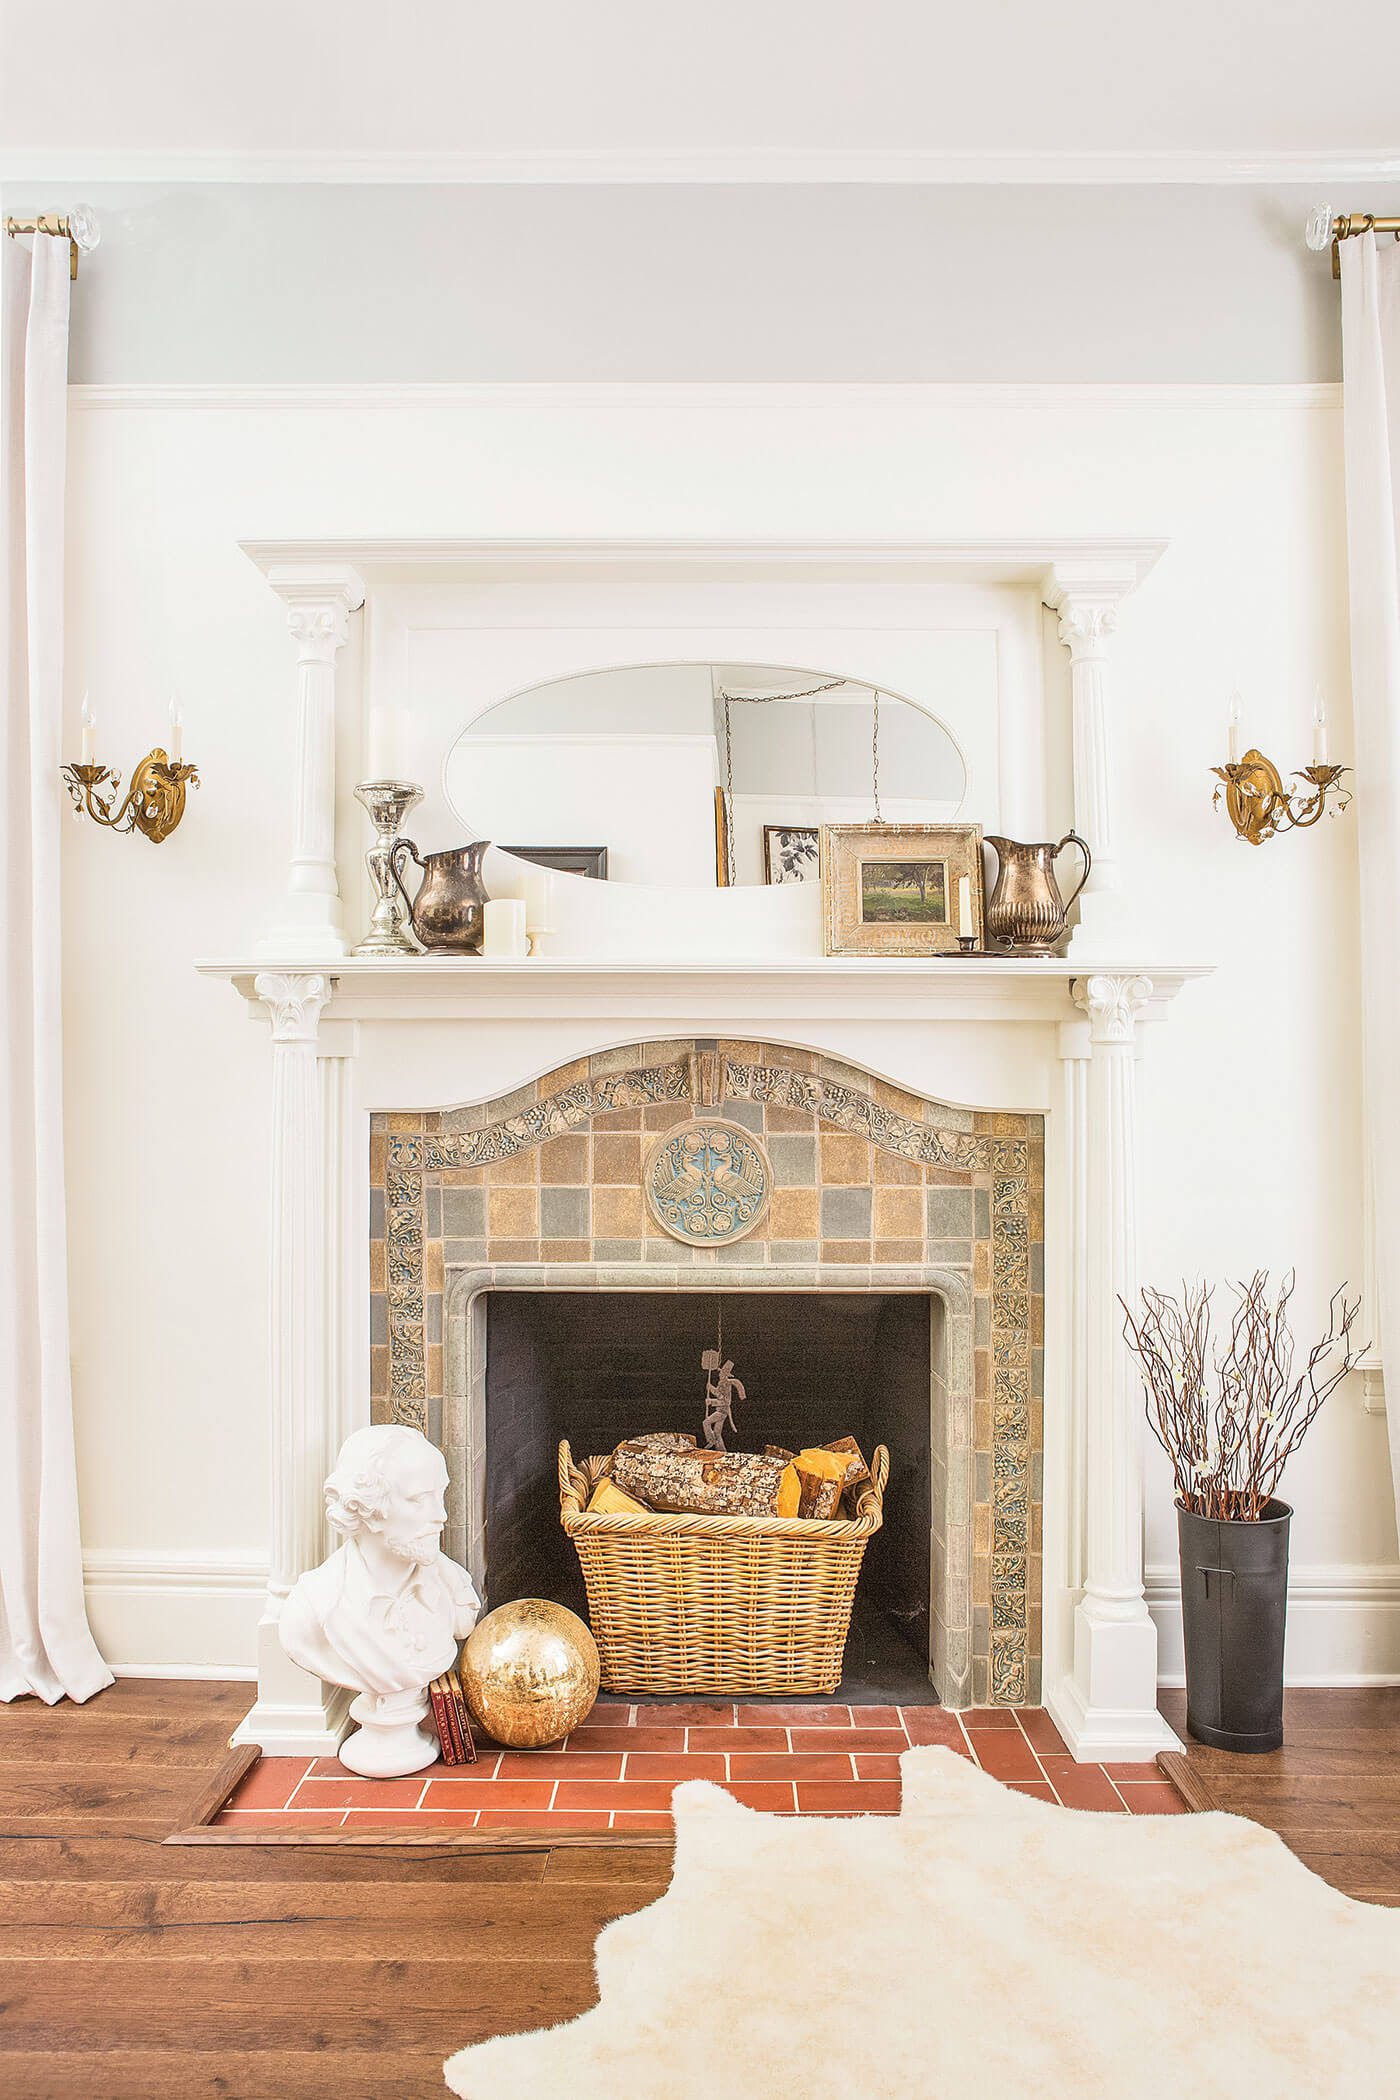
{"type": "Point", "coordinates": [530, 1673]}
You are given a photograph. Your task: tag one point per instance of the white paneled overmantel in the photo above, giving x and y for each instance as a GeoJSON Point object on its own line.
{"type": "Point", "coordinates": [353, 1036]}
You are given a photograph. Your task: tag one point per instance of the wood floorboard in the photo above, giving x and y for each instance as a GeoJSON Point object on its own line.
{"type": "Point", "coordinates": [138, 1970]}
{"type": "Point", "coordinates": [1332, 1793]}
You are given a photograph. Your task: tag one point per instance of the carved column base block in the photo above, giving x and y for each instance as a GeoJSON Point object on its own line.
{"type": "Point", "coordinates": [391, 1740]}
{"type": "Point", "coordinates": [295, 1714]}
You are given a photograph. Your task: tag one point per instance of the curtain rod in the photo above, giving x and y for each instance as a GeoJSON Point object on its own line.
{"type": "Point", "coordinates": [78, 227]}
{"type": "Point", "coordinates": [1326, 230]}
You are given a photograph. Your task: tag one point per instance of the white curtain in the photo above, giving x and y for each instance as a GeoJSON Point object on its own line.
{"type": "Point", "coordinates": [45, 1645]}
{"type": "Point", "coordinates": [1371, 399]}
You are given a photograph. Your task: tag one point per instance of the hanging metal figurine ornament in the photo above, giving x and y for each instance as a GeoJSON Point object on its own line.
{"type": "Point", "coordinates": [722, 1388]}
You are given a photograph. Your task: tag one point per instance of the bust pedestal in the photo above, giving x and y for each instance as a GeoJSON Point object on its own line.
{"type": "Point", "coordinates": [391, 1740]}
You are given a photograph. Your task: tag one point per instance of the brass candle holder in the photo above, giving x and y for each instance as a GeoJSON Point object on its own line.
{"type": "Point", "coordinates": [1259, 805]}
{"type": "Point", "coordinates": [154, 802]}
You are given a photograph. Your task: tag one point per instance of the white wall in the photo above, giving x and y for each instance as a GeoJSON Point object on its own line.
{"type": "Point", "coordinates": [212, 283]}
{"type": "Point", "coordinates": [1250, 1144]}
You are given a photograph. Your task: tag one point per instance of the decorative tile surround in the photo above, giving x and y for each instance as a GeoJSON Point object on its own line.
{"type": "Point", "coordinates": [875, 1188]}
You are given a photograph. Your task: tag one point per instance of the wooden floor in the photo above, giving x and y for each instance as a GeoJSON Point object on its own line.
{"type": "Point", "coordinates": [135, 1971]}
{"type": "Point", "coordinates": [1332, 1792]}
{"type": "Point", "coordinates": [250, 1973]}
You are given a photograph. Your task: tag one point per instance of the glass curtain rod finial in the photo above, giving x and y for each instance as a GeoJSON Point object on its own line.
{"type": "Point", "coordinates": [79, 227]}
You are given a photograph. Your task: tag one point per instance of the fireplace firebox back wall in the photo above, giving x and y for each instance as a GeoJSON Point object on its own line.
{"type": "Point", "coordinates": [867, 1188]}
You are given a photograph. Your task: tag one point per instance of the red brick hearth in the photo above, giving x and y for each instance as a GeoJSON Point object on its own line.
{"type": "Point", "coordinates": [617, 1771]}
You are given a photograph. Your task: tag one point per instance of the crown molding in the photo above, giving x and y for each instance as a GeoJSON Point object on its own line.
{"type": "Point", "coordinates": [357, 396]}
{"type": "Point", "coordinates": [690, 166]}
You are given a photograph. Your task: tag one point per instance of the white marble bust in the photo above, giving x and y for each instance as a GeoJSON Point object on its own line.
{"type": "Point", "coordinates": [387, 1612]}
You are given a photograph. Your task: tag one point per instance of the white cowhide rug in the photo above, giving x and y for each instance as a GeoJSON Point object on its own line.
{"type": "Point", "coordinates": [979, 1945]}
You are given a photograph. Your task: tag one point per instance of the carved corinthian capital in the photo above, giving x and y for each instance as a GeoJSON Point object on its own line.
{"type": "Point", "coordinates": [294, 1002]}
{"type": "Point", "coordinates": [1112, 1005]}
{"type": "Point", "coordinates": [319, 629]}
{"type": "Point", "coordinates": [1085, 625]}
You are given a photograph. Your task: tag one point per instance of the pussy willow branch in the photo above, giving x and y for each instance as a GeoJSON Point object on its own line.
{"type": "Point", "coordinates": [1228, 1450]}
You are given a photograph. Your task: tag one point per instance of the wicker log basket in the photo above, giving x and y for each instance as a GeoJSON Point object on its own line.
{"type": "Point", "coordinates": [718, 1604]}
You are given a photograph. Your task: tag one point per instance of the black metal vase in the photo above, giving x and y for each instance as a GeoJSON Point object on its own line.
{"type": "Point", "coordinates": [1234, 1601]}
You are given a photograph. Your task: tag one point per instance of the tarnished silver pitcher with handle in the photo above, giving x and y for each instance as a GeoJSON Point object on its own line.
{"type": "Point", "coordinates": [1026, 908]}
{"type": "Point", "coordinates": [448, 912]}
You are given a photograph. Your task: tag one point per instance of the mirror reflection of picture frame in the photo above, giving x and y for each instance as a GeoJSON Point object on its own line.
{"type": "Point", "coordinates": [893, 889]}
{"type": "Point", "coordinates": [792, 853]}
{"type": "Point", "coordinates": [565, 860]}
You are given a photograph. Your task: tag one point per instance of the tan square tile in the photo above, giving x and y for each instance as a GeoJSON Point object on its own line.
{"type": "Point", "coordinates": [567, 1075]}
{"type": "Point", "coordinates": [402, 1124]}
{"type": "Point", "coordinates": [617, 1119]}
{"type": "Point", "coordinates": [982, 1265]}
{"type": "Point", "coordinates": [618, 1214]}
{"type": "Point", "coordinates": [847, 1252]}
{"type": "Point", "coordinates": [380, 1409]}
{"type": "Point", "coordinates": [898, 1101]}
{"type": "Point", "coordinates": [435, 1370]}
{"type": "Point", "coordinates": [564, 1160]}
{"type": "Point", "coordinates": [378, 1266]}
{"type": "Point", "coordinates": [745, 1053]}
{"type": "Point", "coordinates": [512, 1213]}
{"type": "Point", "coordinates": [906, 1252]}
{"type": "Point", "coordinates": [617, 1158]}
{"type": "Point", "coordinates": [432, 1265]}
{"type": "Point", "coordinates": [791, 1059]}
{"type": "Point", "coordinates": [899, 1213]}
{"type": "Point", "coordinates": [778, 1117]}
{"type": "Point", "coordinates": [793, 1214]}
{"type": "Point", "coordinates": [661, 1115]}
{"type": "Point", "coordinates": [522, 1166]}
{"type": "Point", "coordinates": [893, 1171]}
{"type": "Point", "coordinates": [566, 1250]}
{"type": "Point", "coordinates": [462, 1177]}
{"type": "Point", "coordinates": [982, 1376]}
{"type": "Point", "coordinates": [379, 1371]}
{"type": "Point", "coordinates": [982, 1424]}
{"type": "Point", "coordinates": [844, 1159]}
{"type": "Point", "coordinates": [512, 1250]}
{"type": "Point", "coordinates": [981, 1529]}
{"type": "Point", "coordinates": [378, 1156]}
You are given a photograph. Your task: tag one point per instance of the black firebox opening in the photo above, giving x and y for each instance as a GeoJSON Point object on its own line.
{"type": "Point", "coordinates": [598, 1366]}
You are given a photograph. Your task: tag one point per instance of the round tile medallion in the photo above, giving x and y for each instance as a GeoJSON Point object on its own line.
{"type": "Point", "coordinates": [707, 1183]}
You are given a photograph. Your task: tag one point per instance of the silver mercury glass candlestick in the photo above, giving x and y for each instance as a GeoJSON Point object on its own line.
{"type": "Point", "coordinates": [387, 803]}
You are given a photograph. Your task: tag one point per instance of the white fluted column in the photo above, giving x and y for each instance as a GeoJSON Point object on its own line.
{"type": "Point", "coordinates": [1087, 598]}
{"type": "Point", "coordinates": [319, 601]}
{"type": "Point", "coordinates": [1106, 1706]}
{"type": "Point", "coordinates": [295, 1713]}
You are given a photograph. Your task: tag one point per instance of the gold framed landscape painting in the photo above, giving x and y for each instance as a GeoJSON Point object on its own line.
{"type": "Point", "coordinates": [893, 889]}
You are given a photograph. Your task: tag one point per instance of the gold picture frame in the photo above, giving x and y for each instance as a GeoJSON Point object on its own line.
{"type": "Point", "coordinates": [892, 889]}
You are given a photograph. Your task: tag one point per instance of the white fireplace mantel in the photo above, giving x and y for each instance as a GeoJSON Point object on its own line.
{"type": "Point", "coordinates": [1059, 1038]}
{"type": "Point", "coordinates": [351, 1036]}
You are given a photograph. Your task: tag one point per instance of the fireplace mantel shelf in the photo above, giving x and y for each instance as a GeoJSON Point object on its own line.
{"type": "Point", "coordinates": [448, 987]}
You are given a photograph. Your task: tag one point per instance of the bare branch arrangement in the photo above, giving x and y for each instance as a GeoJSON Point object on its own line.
{"type": "Point", "coordinates": [1229, 1447]}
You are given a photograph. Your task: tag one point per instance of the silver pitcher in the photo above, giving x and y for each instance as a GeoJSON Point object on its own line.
{"type": "Point", "coordinates": [448, 912]}
{"type": "Point", "coordinates": [1026, 908]}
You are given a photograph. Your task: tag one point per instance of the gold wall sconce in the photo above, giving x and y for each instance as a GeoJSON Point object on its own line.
{"type": "Point", "coordinates": [155, 801]}
{"type": "Point", "coordinates": [1256, 800]}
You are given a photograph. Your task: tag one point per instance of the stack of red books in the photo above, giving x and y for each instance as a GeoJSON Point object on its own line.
{"type": "Point", "coordinates": [451, 1719]}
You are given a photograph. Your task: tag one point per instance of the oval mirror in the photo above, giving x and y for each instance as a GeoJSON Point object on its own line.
{"type": "Point", "coordinates": [697, 775]}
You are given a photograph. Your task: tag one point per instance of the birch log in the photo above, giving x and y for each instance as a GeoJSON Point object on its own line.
{"type": "Point", "coordinates": [700, 1483]}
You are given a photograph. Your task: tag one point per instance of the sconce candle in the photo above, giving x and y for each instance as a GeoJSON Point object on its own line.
{"type": "Point", "coordinates": [177, 731]}
{"type": "Point", "coordinates": [1232, 726]}
{"type": "Point", "coordinates": [1319, 730]}
{"type": "Point", "coordinates": [89, 732]}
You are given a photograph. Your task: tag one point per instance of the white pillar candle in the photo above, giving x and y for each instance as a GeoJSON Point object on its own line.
{"type": "Point", "coordinates": [1232, 724]}
{"type": "Point", "coordinates": [388, 738]}
{"type": "Point", "coordinates": [1319, 729]}
{"type": "Point", "coordinates": [89, 733]}
{"type": "Point", "coordinates": [965, 907]}
{"type": "Point", "coordinates": [536, 884]}
{"type": "Point", "coordinates": [504, 927]}
{"type": "Point", "coordinates": [177, 731]}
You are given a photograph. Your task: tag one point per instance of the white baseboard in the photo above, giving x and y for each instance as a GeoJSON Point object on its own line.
{"type": "Point", "coordinates": [176, 1614]}
{"type": "Point", "coordinates": [1343, 1624]}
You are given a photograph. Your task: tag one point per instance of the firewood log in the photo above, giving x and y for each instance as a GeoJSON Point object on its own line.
{"type": "Point", "coordinates": [701, 1483]}
{"type": "Point", "coordinates": [857, 1470]}
{"type": "Point", "coordinates": [659, 1440]}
